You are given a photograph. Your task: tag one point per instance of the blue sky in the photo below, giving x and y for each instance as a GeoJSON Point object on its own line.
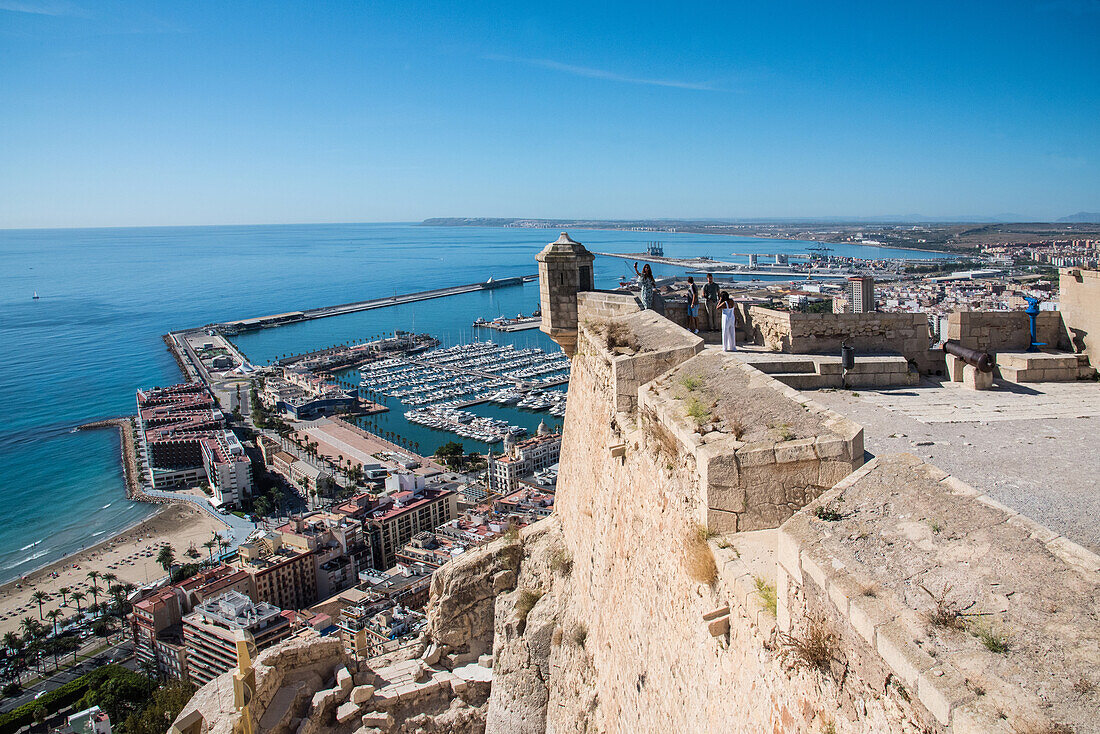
{"type": "Point", "coordinates": [147, 113]}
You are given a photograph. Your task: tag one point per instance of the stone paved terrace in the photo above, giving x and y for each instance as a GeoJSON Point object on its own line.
{"type": "Point", "coordinates": [1032, 447]}
{"type": "Point", "coordinates": [988, 618]}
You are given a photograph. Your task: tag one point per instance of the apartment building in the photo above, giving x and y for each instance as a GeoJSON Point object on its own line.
{"type": "Point", "coordinates": [156, 622]}
{"type": "Point", "coordinates": [283, 573]}
{"type": "Point", "coordinates": [186, 442]}
{"type": "Point", "coordinates": [340, 548]}
{"type": "Point", "coordinates": [211, 631]}
{"type": "Point", "coordinates": [523, 459]}
{"type": "Point", "coordinates": [391, 522]}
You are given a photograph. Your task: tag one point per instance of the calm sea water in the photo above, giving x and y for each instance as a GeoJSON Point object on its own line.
{"type": "Point", "coordinates": [107, 296]}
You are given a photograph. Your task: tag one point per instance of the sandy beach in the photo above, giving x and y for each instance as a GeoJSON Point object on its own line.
{"type": "Point", "coordinates": [130, 555]}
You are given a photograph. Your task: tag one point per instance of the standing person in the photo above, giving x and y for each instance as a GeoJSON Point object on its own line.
{"type": "Point", "coordinates": [710, 302]}
{"type": "Point", "coordinates": [693, 306]}
{"type": "Point", "coordinates": [648, 284]}
{"type": "Point", "coordinates": [729, 322]}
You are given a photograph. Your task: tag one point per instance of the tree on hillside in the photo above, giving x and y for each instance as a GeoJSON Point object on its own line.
{"type": "Point", "coordinates": [164, 706]}
{"type": "Point", "coordinates": [451, 453]}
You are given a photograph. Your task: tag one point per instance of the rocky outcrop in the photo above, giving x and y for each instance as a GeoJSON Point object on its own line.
{"type": "Point", "coordinates": [463, 593]}
{"type": "Point", "coordinates": [527, 619]}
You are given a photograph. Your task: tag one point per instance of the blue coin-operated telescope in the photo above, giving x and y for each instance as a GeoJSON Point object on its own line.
{"type": "Point", "coordinates": [1032, 312]}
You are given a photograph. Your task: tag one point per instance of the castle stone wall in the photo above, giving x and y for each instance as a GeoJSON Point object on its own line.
{"type": "Point", "coordinates": [605, 304]}
{"type": "Point", "coordinates": [1079, 302]}
{"type": "Point", "coordinates": [649, 640]}
{"type": "Point", "coordinates": [823, 333]}
{"type": "Point", "coordinates": [997, 331]}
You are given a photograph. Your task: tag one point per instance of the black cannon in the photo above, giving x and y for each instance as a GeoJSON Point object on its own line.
{"type": "Point", "coordinates": [980, 360]}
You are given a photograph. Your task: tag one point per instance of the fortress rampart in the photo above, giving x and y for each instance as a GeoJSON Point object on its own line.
{"type": "Point", "coordinates": [720, 559]}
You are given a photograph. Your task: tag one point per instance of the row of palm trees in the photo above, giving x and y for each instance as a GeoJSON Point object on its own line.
{"type": "Point", "coordinates": [40, 639]}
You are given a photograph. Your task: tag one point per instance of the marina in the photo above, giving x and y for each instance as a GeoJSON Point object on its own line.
{"type": "Point", "coordinates": [438, 385]}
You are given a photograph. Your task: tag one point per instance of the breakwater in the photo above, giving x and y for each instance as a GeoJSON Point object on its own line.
{"type": "Point", "coordinates": [293, 317]}
{"type": "Point", "coordinates": [125, 428]}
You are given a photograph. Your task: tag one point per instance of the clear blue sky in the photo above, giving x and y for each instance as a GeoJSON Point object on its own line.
{"type": "Point", "coordinates": [231, 112]}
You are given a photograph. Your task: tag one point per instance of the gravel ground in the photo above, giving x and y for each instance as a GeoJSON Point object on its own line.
{"type": "Point", "coordinates": [1046, 468]}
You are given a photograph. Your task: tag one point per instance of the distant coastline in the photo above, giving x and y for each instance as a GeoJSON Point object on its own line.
{"type": "Point", "coordinates": [961, 238]}
{"type": "Point", "coordinates": [669, 229]}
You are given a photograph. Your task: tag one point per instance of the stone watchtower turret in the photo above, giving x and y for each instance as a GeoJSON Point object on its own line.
{"type": "Point", "coordinates": [565, 269]}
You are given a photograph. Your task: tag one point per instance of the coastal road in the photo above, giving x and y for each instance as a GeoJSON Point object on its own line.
{"type": "Point", "coordinates": [121, 653]}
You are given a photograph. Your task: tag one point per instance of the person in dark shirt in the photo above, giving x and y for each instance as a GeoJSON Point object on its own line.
{"type": "Point", "coordinates": [710, 302]}
{"type": "Point", "coordinates": [693, 306]}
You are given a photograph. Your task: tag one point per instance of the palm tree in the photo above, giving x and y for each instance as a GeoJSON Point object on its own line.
{"type": "Point", "coordinates": [30, 631]}
{"type": "Point", "coordinates": [53, 615]}
{"type": "Point", "coordinates": [40, 597]}
{"type": "Point", "coordinates": [166, 557]}
{"type": "Point", "coordinates": [64, 591]}
{"type": "Point", "coordinates": [93, 575]}
{"type": "Point", "coordinates": [78, 596]}
{"type": "Point", "coordinates": [224, 543]}
{"type": "Point", "coordinates": [95, 593]}
{"type": "Point", "coordinates": [110, 578]}
{"type": "Point", "coordinates": [12, 641]}
{"type": "Point", "coordinates": [209, 546]}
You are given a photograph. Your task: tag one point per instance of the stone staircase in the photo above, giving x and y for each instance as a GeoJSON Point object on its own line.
{"type": "Point", "coordinates": [816, 371]}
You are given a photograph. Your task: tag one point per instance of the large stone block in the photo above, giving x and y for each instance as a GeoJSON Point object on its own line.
{"type": "Point", "coordinates": [975, 379]}
{"type": "Point", "coordinates": [798, 450]}
{"type": "Point", "coordinates": [895, 645]}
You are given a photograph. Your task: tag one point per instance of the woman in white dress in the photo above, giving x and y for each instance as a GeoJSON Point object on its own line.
{"type": "Point", "coordinates": [729, 322]}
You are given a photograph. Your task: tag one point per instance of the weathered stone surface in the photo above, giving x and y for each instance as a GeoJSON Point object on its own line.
{"type": "Point", "coordinates": [380, 719]}
{"type": "Point", "coordinates": [362, 694]}
{"type": "Point", "coordinates": [344, 680]}
{"type": "Point", "coordinates": [346, 712]}
{"type": "Point", "coordinates": [504, 581]}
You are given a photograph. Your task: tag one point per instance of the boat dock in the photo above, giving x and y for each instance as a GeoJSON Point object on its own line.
{"type": "Point", "coordinates": [293, 317]}
{"type": "Point", "coordinates": [530, 322]}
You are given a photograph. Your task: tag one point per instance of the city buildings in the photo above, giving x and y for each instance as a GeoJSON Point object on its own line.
{"type": "Point", "coordinates": [282, 568]}
{"type": "Point", "coordinates": [339, 546]}
{"type": "Point", "coordinates": [90, 721]}
{"type": "Point", "coordinates": [304, 395]}
{"type": "Point", "coordinates": [523, 459]}
{"type": "Point", "coordinates": [211, 632]}
{"type": "Point", "coordinates": [859, 295]}
{"type": "Point", "coordinates": [186, 442]}
{"type": "Point", "coordinates": [156, 619]}
{"type": "Point", "coordinates": [390, 522]}
{"type": "Point", "coordinates": [527, 503]}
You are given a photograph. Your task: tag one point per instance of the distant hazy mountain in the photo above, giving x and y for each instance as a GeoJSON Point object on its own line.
{"type": "Point", "coordinates": [1082, 218]}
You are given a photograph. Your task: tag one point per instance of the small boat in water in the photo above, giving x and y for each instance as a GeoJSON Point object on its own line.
{"type": "Point", "coordinates": [35, 296]}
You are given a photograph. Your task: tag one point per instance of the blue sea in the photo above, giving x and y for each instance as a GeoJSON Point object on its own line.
{"type": "Point", "coordinates": [107, 296]}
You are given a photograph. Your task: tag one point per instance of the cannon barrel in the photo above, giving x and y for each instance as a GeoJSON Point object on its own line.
{"type": "Point", "coordinates": [981, 360]}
